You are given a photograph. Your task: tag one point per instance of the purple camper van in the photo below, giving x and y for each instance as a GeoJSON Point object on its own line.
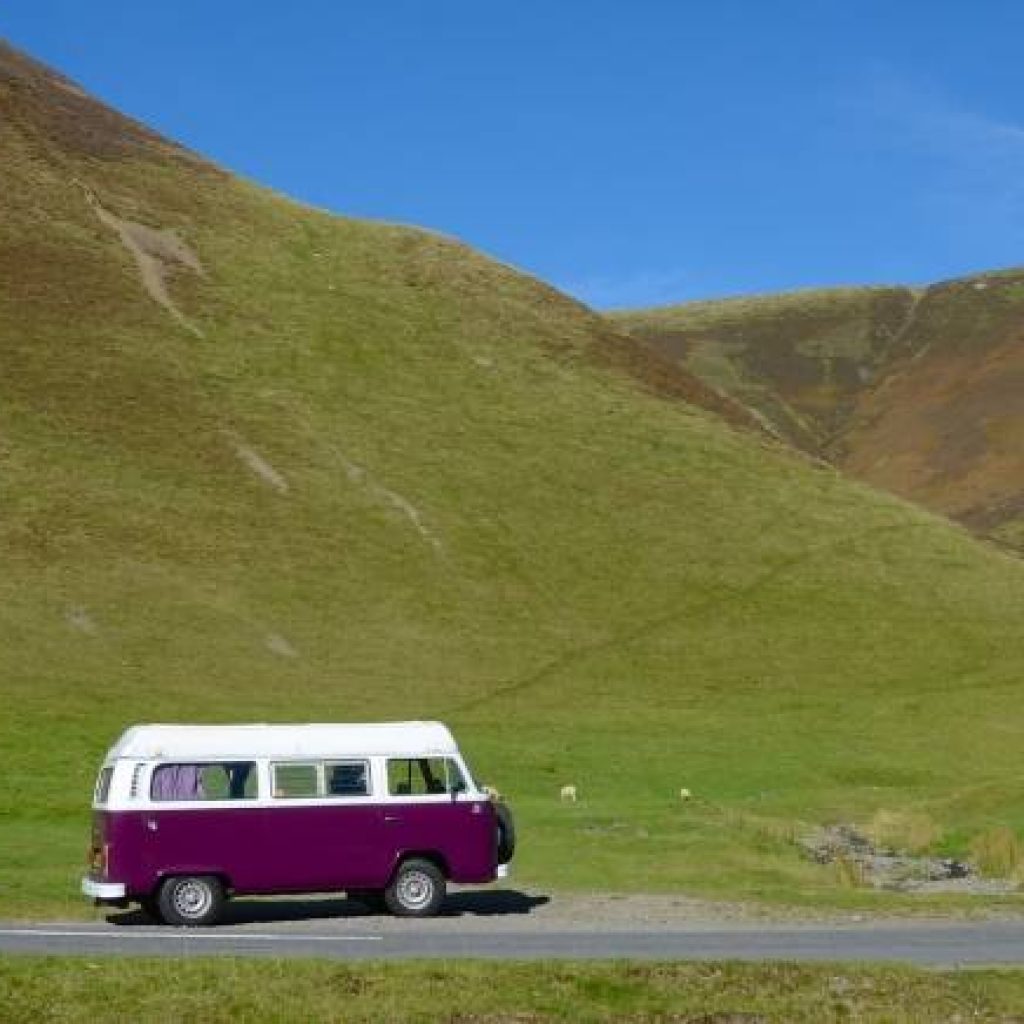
{"type": "Point", "coordinates": [186, 815]}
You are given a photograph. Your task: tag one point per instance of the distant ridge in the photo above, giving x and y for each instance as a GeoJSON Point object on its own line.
{"type": "Point", "coordinates": [917, 391]}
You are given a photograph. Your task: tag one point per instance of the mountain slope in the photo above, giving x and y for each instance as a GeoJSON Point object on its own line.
{"type": "Point", "coordinates": [259, 462]}
{"type": "Point", "coordinates": [917, 392]}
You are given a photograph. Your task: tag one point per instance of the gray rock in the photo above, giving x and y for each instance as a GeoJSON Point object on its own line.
{"type": "Point", "coordinates": [895, 870]}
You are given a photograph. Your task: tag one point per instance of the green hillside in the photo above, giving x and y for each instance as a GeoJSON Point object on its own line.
{"type": "Point", "coordinates": [262, 463]}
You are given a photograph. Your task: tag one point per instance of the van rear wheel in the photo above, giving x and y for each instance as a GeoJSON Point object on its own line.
{"type": "Point", "coordinates": [150, 906]}
{"type": "Point", "coordinates": [191, 900]}
{"type": "Point", "coordinates": [417, 890]}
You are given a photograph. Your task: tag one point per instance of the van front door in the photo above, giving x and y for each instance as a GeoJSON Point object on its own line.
{"type": "Point", "coordinates": [428, 812]}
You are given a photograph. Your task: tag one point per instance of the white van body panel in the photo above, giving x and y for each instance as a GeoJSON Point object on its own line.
{"type": "Point", "coordinates": [142, 748]}
{"type": "Point", "coordinates": [285, 742]}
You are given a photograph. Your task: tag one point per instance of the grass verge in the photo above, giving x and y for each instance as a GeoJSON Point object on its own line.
{"type": "Point", "coordinates": [211, 990]}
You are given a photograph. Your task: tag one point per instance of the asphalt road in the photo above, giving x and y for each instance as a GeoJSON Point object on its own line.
{"type": "Point", "coordinates": [929, 944]}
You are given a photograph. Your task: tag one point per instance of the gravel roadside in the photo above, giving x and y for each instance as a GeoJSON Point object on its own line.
{"type": "Point", "coordinates": [523, 910]}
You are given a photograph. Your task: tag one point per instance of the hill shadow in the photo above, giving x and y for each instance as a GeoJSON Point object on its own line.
{"type": "Point", "coordinates": [246, 910]}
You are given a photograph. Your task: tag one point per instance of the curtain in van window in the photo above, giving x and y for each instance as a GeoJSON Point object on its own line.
{"type": "Point", "coordinates": [178, 782]}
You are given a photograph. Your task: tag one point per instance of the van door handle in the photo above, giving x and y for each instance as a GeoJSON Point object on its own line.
{"type": "Point", "coordinates": [151, 824]}
{"type": "Point", "coordinates": [392, 819]}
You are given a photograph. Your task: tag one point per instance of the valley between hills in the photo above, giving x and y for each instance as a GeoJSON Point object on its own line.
{"type": "Point", "coordinates": [914, 391]}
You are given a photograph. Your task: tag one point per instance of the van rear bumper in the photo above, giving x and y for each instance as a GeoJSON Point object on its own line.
{"type": "Point", "coordinates": [103, 890]}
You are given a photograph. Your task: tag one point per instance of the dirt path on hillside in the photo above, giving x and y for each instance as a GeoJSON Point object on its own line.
{"type": "Point", "coordinates": [155, 253]}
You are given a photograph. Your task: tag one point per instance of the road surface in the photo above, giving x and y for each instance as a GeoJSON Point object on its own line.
{"type": "Point", "coordinates": [515, 926]}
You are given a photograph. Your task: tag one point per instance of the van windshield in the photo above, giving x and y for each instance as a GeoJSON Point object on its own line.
{"type": "Point", "coordinates": [421, 776]}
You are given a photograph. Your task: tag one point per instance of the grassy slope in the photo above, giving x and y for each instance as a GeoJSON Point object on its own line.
{"type": "Point", "coordinates": [60, 990]}
{"type": "Point", "coordinates": [598, 586]}
{"type": "Point", "coordinates": [914, 392]}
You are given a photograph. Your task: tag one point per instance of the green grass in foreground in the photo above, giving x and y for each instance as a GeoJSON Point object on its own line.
{"type": "Point", "coordinates": [211, 990]}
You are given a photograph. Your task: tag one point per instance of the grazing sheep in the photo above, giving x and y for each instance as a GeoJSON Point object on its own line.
{"type": "Point", "coordinates": [685, 794]}
{"type": "Point", "coordinates": [568, 794]}
{"type": "Point", "coordinates": [491, 793]}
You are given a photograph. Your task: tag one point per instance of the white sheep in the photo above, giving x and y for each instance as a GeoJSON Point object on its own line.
{"type": "Point", "coordinates": [685, 794]}
{"type": "Point", "coordinates": [568, 794]}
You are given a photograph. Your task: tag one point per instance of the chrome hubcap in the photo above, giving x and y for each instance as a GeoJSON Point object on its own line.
{"type": "Point", "coordinates": [415, 889]}
{"type": "Point", "coordinates": [192, 898]}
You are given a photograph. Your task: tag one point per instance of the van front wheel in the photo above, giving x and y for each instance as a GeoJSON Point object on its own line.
{"type": "Point", "coordinates": [191, 900]}
{"type": "Point", "coordinates": [417, 890]}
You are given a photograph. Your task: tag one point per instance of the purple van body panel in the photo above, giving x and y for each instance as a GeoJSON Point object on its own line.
{"type": "Point", "coordinates": [295, 848]}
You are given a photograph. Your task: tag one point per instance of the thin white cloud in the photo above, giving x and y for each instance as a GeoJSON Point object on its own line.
{"type": "Point", "coordinates": [631, 290]}
{"type": "Point", "coordinates": [972, 158]}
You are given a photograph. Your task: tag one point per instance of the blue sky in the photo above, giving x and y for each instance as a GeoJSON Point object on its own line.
{"type": "Point", "coordinates": [632, 153]}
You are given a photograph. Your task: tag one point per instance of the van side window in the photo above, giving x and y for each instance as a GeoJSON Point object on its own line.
{"type": "Point", "coordinates": [421, 776]}
{"type": "Point", "coordinates": [346, 778]}
{"type": "Point", "coordinates": [137, 770]}
{"type": "Point", "coordinates": [103, 784]}
{"type": "Point", "coordinates": [295, 780]}
{"type": "Point", "coordinates": [221, 780]}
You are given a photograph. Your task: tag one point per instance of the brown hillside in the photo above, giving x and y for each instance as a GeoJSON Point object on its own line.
{"type": "Point", "coordinates": [56, 111]}
{"type": "Point", "coordinates": [945, 426]}
{"type": "Point", "coordinates": [799, 361]}
{"type": "Point", "coordinates": [918, 392]}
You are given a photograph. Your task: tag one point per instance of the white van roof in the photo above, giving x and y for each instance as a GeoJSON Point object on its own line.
{"type": "Point", "coordinates": [243, 742]}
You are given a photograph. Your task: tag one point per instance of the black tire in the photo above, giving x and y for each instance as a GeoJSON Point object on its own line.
{"type": "Point", "coordinates": [506, 833]}
{"type": "Point", "coordinates": [191, 901]}
{"type": "Point", "coordinates": [417, 890]}
{"type": "Point", "coordinates": [372, 899]}
{"type": "Point", "coordinates": [150, 906]}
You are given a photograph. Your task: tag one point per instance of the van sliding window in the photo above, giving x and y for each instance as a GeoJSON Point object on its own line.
{"type": "Point", "coordinates": [306, 779]}
{"type": "Point", "coordinates": [220, 780]}
{"type": "Point", "coordinates": [295, 780]}
{"type": "Point", "coordinates": [346, 778]}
